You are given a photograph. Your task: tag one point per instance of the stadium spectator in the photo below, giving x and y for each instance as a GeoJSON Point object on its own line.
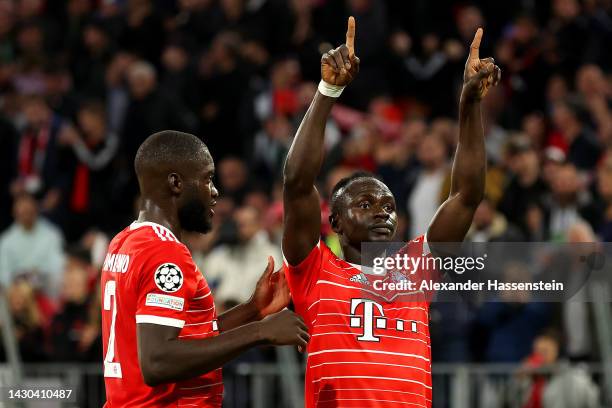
{"type": "Point", "coordinates": [568, 202]}
{"type": "Point", "coordinates": [526, 189]}
{"type": "Point", "coordinates": [179, 76]}
{"type": "Point", "coordinates": [27, 321]}
{"type": "Point", "coordinates": [528, 383]}
{"type": "Point", "coordinates": [89, 65]}
{"type": "Point", "coordinates": [38, 170]}
{"type": "Point", "coordinates": [504, 330]}
{"type": "Point", "coordinates": [142, 30]}
{"type": "Point", "coordinates": [31, 246]}
{"type": "Point", "coordinates": [150, 109]}
{"type": "Point", "coordinates": [222, 83]}
{"type": "Point", "coordinates": [91, 160]}
{"type": "Point", "coordinates": [596, 92]}
{"type": "Point", "coordinates": [69, 323]}
{"type": "Point", "coordinates": [236, 268]}
{"type": "Point", "coordinates": [577, 140]}
{"type": "Point", "coordinates": [425, 194]}
{"type": "Point", "coordinates": [576, 320]}
{"type": "Point", "coordinates": [604, 189]}
{"type": "Point", "coordinates": [272, 145]}
{"type": "Point", "coordinates": [564, 387]}
{"type": "Point", "coordinates": [233, 179]}
{"type": "Point", "coordinates": [491, 226]}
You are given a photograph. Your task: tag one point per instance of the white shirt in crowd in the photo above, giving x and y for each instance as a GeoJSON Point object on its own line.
{"type": "Point", "coordinates": [234, 270]}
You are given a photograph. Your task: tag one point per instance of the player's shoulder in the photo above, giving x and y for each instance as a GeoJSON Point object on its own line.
{"type": "Point", "coordinates": [317, 256]}
{"type": "Point", "coordinates": [154, 231]}
{"type": "Point", "coordinates": [151, 241]}
{"type": "Point", "coordinates": [417, 244]}
{"type": "Point", "coordinates": [326, 253]}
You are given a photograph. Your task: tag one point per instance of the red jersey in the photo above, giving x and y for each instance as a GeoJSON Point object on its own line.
{"type": "Point", "coordinates": [149, 277]}
{"type": "Point", "coordinates": [365, 350]}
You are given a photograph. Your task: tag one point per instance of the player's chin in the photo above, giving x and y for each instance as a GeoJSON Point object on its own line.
{"type": "Point", "coordinates": [203, 227]}
{"type": "Point", "coordinates": [381, 236]}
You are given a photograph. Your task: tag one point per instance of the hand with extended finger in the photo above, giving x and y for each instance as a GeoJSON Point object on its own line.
{"type": "Point", "coordinates": [479, 74]}
{"type": "Point", "coordinates": [340, 66]}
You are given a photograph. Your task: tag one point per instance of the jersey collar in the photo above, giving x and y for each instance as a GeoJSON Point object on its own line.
{"type": "Point", "coordinates": [138, 224]}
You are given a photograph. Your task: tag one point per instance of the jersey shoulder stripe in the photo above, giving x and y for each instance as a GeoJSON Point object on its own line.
{"type": "Point", "coordinates": [161, 232]}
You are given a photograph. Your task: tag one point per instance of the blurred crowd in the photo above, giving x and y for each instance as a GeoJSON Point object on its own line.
{"type": "Point", "coordinates": [83, 83]}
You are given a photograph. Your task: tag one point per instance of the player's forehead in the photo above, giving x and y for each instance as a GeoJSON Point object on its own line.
{"type": "Point", "coordinates": [367, 186]}
{"type": "Point", "coordinates": [203, 163]}
{"type": "Point", "coordinates": [208, 164]}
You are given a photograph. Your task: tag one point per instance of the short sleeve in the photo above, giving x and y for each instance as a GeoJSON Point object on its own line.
{"type": "Point", "coordinates": [304, 276]}
{"type": "Point", "coordinates": [166, 283]}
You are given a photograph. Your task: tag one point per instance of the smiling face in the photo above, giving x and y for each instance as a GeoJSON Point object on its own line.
{"type": "Point", "coordinates": [196, 202]}
{"type": "Point", "coordinates": [365, 212]}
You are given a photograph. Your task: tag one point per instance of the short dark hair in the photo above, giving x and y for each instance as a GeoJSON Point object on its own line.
{"type": "Point", "coordinates": [169, 147]}
{"type": "Point", "coordinates": [336, 193]}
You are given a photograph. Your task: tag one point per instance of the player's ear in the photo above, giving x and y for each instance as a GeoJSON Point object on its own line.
{"type": "Point", "coordinates": [175, 183]}
{"type": "Point", "coordinates": [333, 221]}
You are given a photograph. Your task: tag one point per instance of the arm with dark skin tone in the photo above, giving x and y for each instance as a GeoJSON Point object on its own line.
{"type": "Point", "coordinates": [162, 356]}
{"type": "Point", "coordinates": [302, 223]}
{"type": "Point", "coordinates": [454, 217]}
{"type": "Point", "coordinates": [165, 358]}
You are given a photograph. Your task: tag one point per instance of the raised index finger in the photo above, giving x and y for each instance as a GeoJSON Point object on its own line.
{"type": "Point", "coordinates": [350, 36]}
{"type": "Point", "coordinates": [475, 47]}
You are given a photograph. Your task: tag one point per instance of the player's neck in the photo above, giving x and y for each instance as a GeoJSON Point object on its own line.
{"type": "Point", "coordinates": [351, 255]}
{"type": "Point", "coordinates": [151, 212]}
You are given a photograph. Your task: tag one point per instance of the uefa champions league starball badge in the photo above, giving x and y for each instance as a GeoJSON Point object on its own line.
{"type": "Point", "coordinates": [168, 277]}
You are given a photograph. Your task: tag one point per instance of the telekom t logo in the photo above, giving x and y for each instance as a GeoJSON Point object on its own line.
{"type": "Point", "coordinates": [367, 319]}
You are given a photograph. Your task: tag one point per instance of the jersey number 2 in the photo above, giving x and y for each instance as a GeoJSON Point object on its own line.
{"type": "Point", "coordinates": [111, 369]}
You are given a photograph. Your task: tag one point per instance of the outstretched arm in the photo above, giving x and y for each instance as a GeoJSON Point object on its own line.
{"type": "Point", "coordinates": [302, 223]}
{"type": "Point", "coordinates": [454, 217]}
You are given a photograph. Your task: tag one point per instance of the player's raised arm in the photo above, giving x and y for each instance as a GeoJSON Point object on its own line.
{"type": "Point", "coordinates": [302, 223]}
{"type": "Point", "coordinates": [454, 217]}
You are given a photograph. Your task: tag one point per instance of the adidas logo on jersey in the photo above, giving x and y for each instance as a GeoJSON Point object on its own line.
{"type": "Point", "coordinates": [360, 278]}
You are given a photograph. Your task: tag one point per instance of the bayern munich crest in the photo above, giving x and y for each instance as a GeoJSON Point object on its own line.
{"type": "Point", "coordinates": [168, 277]}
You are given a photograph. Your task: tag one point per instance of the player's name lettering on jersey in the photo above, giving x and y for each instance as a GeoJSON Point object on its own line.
{"type": "Point", "coordinates": [116, 263]}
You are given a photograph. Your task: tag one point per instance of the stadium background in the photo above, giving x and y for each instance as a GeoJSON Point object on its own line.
{"type": "Point", "coordinates": [83, 83]}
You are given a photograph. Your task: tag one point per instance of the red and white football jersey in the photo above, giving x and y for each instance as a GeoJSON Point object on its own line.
{"type": "Point", "coordinates": [149, 277]}
{"type": "Point", "coordinates": [368, 348]}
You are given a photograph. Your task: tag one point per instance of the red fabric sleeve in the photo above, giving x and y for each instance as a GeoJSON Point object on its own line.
{"type": "Point", "coordinates": [166, 284]}
{"type": "Point", "coordinates": [303, 277]}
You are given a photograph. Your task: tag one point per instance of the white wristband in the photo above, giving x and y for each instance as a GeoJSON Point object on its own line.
{"type": "Point", "coordinates": [330, 90]}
